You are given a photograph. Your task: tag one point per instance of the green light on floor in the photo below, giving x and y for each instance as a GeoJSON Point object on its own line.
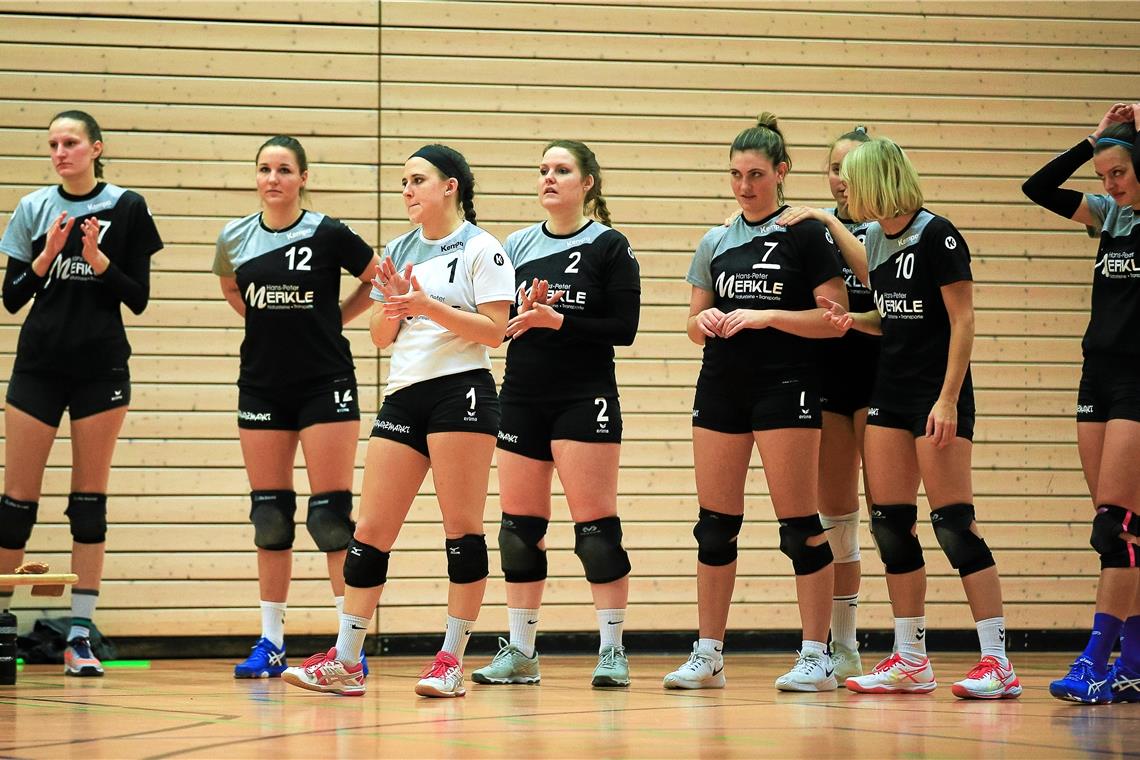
{"type": "Point", "coordinates": [144, 664]}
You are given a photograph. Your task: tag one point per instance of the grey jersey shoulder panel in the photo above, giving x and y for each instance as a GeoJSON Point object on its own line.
{"type": "Point", "coordinates": [243, 240]}
{"type": "Point", "coordinates": [413, 248]}
{"type": "Point", "coordinates": [532, 243]}
{"type": "Point", "coordinates": [37, 210]}
{"type": "Point", "coordinates": [880, 248]}
{"type": "Point", "coordinates": [1117, 221]}
{"type": "Point", "coordinates": [720, 240]}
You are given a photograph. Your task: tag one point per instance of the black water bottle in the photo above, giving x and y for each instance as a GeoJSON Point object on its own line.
{"type": "Point", "coordinates": [7, 648]}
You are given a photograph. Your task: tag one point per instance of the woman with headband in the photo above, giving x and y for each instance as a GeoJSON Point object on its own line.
{"type": "Point", "coordinates": [444, 292]}
{"type": "Point", "coordinates": [1108, 398]}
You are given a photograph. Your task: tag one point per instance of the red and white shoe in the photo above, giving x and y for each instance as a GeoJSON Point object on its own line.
{"type": "Point", "coordinates": [327, 674]}
{"type": "Point", "coordinates": [989, 680]}
{"type": "Point", "coordinates": [443, 678]}
{"type": "Point", "coordinates": [896, 675]}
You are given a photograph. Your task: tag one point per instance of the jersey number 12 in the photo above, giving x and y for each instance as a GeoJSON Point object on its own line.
{"type": "Point", "coordinates": [305, 252]}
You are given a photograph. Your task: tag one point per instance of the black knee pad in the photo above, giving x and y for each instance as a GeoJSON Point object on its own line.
{"type": "Point", "coordinates": [966, 550]}
{"type": "Point", "coordinates": [16, 521]}
{"type": "Point", "coordinates": [87, 513]}
{"type": "Point", "coordinates": [716, 535]}
{"type": "Point", "coordinates": [891, 527]}
{"type": "Point", "coordinates": [794, 534]}
{"type": "Point", "coordinates": [598, 545]}
{"type": "Point", "coordinates": [466, 558]}
{"type": "Point", "coordinates": [522, 560]}
{"type": "Point", "coordinates": [1109, 523]}
{"type": "Point", "coordinates": [329, 520]}
{"type": "Point", "coordinates": [365, 566]}
{"type": "Point", "coordinates": [271, 513]}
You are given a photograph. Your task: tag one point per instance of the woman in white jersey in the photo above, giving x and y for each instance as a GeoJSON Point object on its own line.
{"type": "Point", "coordinates": [445, 291]}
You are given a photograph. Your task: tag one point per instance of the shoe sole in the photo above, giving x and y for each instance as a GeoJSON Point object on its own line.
{"type": "Point", "coordinates": [262, 674]}
{"type": "Point", "coordinates": [1078, 700]}
{"type": "Point", "coordinates": [715, 683]}
{"type": "Point", "coordinates": [829, 685]}
{"type": "Point", "coordinates": [427, 690]}
{"type": "Point", "coordinates": [84, 672]}
{"type": "Point", "coordinates": [963, 693]}
{"type": "Point", "coordinates": [300, 683]}
{"type": "Point", "coordinates": [922, 689]}
{"type": "Point", "coordinates": [519, 680]}
{"type": "Point", "coordinates": [605, 682]}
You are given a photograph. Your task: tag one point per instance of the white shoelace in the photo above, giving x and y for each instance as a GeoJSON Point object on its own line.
{"type": "Point", "coordinates": [805, 663]}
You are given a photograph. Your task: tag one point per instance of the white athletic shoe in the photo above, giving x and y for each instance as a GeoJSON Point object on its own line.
{"type": "Point", "coordinates": [989, 680]}
{"type": "Point", "coordinates": [703, 670]}
{"type": "Point", "coordinates": [896, 675]}
{"type": "Point", "coordinates": [443, 678]}
{"type": "Point", "coordinates": [847, 661]}
{"type": "Point", "coordinates": [813, 671]}
{"type": "Point", "coordinates": [325, 673]}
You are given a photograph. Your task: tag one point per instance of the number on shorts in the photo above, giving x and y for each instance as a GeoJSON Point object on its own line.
{"type": "Point", "coordinates": [602, 416]}
{"type": "Point", "coordinates": [572, 267]}
{"type": "Point", "coordinates": [305, 252]}
{"type": "Point", "coordinates": [905, 266]}
{"type": "Point", "coordinates": [803, 398]}
{"type": "Point", "coordinates": [342, 399]}
{"type": "Point", "coordinates": [471, 398]}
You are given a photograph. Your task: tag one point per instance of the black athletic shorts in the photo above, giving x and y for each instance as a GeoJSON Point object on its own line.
{"type": "Point", "coordinates": [44, 395]}
{"type": "Point", "coordinates": [848, 374]}
{"type": "Point", "coordinates": [743, 409]}
{"type": "Point", "coordinates": [915, 421]}
{"type": "Point", "coordinates": [298, 408]}
{"type": "Point", "coordinates": [1109, 389]}
{"type": "Point", "coordinates": [465, 402]}
{"type": "Point", "coordinates": [528, 427]}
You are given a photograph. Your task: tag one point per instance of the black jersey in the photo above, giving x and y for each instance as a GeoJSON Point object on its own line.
{"type": "Point", "coordinates": [290, 282]}
{"type": "Point", "coordinates": [596, 268]}
{"type": "Point", "coordinates": [1116, 280]}
{"type": "Point", "coordinates": [859, 296]}
{"type": "Point", "coordinates": [76, 319]}
{"type": "Point", "coordinates": [908, 271]}
{"type": "Point", "coordinates": [763, 265]}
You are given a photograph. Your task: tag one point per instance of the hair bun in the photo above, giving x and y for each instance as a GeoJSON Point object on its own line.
{"type": "Point", "coordinates": [860, 128]}
{"type": "Point", "coordinates": [767, 119]}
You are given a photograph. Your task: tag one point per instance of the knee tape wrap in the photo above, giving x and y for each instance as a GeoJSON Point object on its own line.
{"type": "Point", "coordinates": [466, 558]}
{"type": "Point", "coordinates": [16, 521]}
{"type": "Point", "coordinates": [329, 520]}
{"type": "Point", "coordinates": [87, 513]}
{"type": "Point", "coordinates": [794, 534]}
{"type": "Point", "coordinates": [365, 566]}
{"type": "Point", "coordinates": [716, 535]}
{"type": "Point", "coordinates": [966, 550]}
{"type": "Point", "coordinates": [522, 560]}
{"type": "Point", "coordinates": [843, 535]}
{"type": "Point", "coordinates": [598, 545]}
{"type": "Point", "coordinates": [892, 527]}
{"type": "Point", "coordinates": [271, 513]}
{"type": "Point", "coordinates": [1109, 523]}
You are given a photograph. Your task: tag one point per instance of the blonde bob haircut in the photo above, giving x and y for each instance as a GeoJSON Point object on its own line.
{"type": "Point", "coordinates": [881, 181]}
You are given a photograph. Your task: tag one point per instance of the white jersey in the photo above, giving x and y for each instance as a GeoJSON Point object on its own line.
{"type": "Point", "coordinates": [463, 270]}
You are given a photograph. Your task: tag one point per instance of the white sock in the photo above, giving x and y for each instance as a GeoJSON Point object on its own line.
{"type": "Point", "coordinates": [83, 603]}
{"type": "Point", "coordinates": [844, 610]}
{"type": "Point", "coordinates": [524, 629]}
{"type": "Point", "coordinates": [338, 602]}
{"type": "Point", "coordinates": [350, 639]}
{"type": "Point", "coordinates": [910, 637]}
{"type": "Point", "coordinates": [807, 646]}
{"type": "Point", "coordinates": [715, 647]}
{"type": "Point", "coordinates": [610, 625]}
{"type": "Point", "coordinates": [991, 635]}
{"type": "Point", "coordinates": [457, 636]}
{"type": "Point", "coordinates": [273, 622]}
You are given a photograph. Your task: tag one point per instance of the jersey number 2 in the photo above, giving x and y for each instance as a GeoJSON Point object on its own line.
{"type": "Point", "coordinates": [305, 252]}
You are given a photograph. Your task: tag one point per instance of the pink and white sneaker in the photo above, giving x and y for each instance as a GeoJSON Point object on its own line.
{"type": "Point", "coordinates": [443, 678]}
{"type": "Point", "coordinates": [325, 673]}
{"type": "Point", "coordinates": [896, 675]}
{"type": "Point", "coordinates": [989, 680]}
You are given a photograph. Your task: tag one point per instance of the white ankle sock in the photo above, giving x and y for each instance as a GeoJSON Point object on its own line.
{"type": "Point", "coordinates": [910, 637]}
{"type": "Point", "coordinates": [844, 610]}
{"type": "Point", "coordinates": [338, 602]}
{"type": "Point", "coordinates": [350, 639]}
{"type": "Point", "coordinates": [524, 629]}
{"type": "Point", "coordinates": [807, 646]}
{"type": "Point", "coordinates": [991, 636]}
{"type": "Point", "coordinates": [273, 622]}
{"type": "Point", "coordinates": [457, 636]}
{"type": "Point", "coordinates": [610, 625]}
{"type": "Point", "coordinates": [715, 647]}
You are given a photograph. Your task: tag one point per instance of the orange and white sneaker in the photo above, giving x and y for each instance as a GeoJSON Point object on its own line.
{"type": "Point", "coordinates": [327, 674]}
{"type": "Point", "coordinates": [79, 660]}
{"type": "Point", "coordinates": [896, 675]}
{"type": "Point", "coordinates": [989, 680]}
{"type": "Point", "coordinates": [443, 678]}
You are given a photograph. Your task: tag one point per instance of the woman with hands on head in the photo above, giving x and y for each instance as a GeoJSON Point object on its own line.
{"type": "Point", "coordinates": [921, 420]}
{"type": "Point", "coordinates": [578, 296]}
{"type": "Point", "coordinates": [1108, 399]}
{"type": "Point", "coordinates": [280, 270]}
{"type": "Point", "coordinates": [78, 251]}
{"type": "Point", "coordinates": [753, 308]}
{"type": "Point", "coordinates": [444, 291]}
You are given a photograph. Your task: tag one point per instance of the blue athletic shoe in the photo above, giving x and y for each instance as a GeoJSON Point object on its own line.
{"type": "Point", "coordinates": [1084, 683]}
{"type": "Point", "coordinates": [1125, 682]}
{"type": "Point", "coordinates": [265, 661]}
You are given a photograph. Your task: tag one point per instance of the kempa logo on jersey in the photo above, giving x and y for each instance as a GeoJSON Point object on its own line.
{"type": "Point", "coordinates": [910, 240]}
{"type": "Point", "coordinates": [1118, 263]}
{"type": "Point", "coordinates": [278, 297]}
{"type": "Point", "coordinates": [897, 305]}
{"type": "Point", "coordinates": [456, 246]}
{"type": "Point", "coordinates": [748, 285]}
{"type": "Point", "coordinates": [255, 416]}
{"type": "Point", "coordinates": [93, 207]}
{"type": "Point", "coordinates": [306, 232]}
{"type": "Point", "coordinates": [69, 269]}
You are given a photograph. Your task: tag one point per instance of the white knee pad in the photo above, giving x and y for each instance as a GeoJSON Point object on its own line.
{"type": "Point", "coordinates": [843, 535]}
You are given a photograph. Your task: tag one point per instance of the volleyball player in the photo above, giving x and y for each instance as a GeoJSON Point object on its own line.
{"type": "Point", "coordinates": [753, 309]}
{"type": "Point", "coordinates": [579, 295]}
{"type": "Point", "coordinates": [921, 420]}
{"type": "Point", "coordinates": [279, 269]}
{"type": "Point", "coordinates": [1108, 400]}
{"type": "Point", "coordinates": [78, 251]}
{"type": "Point", "coordinates": [445, 291]}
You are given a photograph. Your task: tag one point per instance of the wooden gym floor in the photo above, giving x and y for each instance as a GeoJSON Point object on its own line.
{"type": "Point", "coordinates": [193, 708]}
